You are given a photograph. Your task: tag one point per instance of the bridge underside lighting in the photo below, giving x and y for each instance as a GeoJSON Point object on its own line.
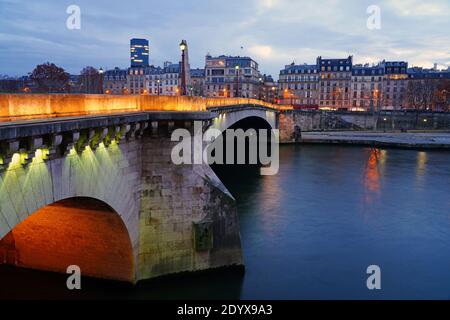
{"type": "Point", "coordinates": [91, 149]}
{"type": "Point", "coordinates": [78, 231]}
{"type": "Point", "coordinates": [17, 160]}
{"type": "Point", "coordinates": [40, 155]}
{"type": "Point", "coordinates": [72, 151]}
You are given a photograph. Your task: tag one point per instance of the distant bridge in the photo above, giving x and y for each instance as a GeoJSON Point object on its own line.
{"type": "Point", "coordinates": [88, 180]}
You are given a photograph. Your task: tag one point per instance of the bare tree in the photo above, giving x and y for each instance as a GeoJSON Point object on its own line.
{"type": "Point", "coordinates": [90, 80]}
{"type": "Point", "coordinates": [429, 87]}
{"type": "Point", "coordinates": [414, 94]}
{"type": "Point", "coordinates": [89, 71]}
{"type": "Point", "coordinates": [50, 78]}
{"type": "Point", "coordinates": [441, 97]}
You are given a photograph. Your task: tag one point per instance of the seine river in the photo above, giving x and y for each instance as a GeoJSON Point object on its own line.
{"type": "Point", "coordinates": [311, 231]}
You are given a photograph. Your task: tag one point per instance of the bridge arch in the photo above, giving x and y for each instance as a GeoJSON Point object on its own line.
{"type": "Point", "coordinates": [30, 191]}
{"type": "Point", "coordinates": [228, 116]}
{"type": "Point", "coordinates": [77, 231]}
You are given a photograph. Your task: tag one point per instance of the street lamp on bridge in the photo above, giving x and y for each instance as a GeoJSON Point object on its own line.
{"type": "Point", "coordinates": [183, 46]}
{"type": "Point", "coordinates": [237, 81]}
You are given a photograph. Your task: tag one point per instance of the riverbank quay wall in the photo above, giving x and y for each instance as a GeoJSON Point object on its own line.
{"type": "Point", "coordinates": [293, 122]}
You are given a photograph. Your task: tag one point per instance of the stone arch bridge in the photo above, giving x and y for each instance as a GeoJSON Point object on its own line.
{"type": "Point", "coordinates": [99, 190]}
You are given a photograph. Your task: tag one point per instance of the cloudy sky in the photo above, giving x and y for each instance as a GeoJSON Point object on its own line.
{"type": "Point", "coordinates": [273, 32]}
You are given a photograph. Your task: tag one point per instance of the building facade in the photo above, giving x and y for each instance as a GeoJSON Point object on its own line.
{"type": "Point", "coordinates": [335, 76]}
{"type": "Point", "coordinates": [298, 85]}
{"type": "Point", "coordinates": [197, 82]}
{"type": "Point", "coordinates": [268, 89]}
{"type": "Point", "coordinates": [367, 87]}
{"type": "Point", "coordinates": [394, 84]}
{"type": "Point", "coordinates": [145, 80]}
{"type": "Point", "coordinates": [170, 79]}
{"type": "Point", "coordinates": [115, 81]}
{"type": "Point", "coordinates": [227, 76]}
{"type": "Point", "coordinates": [139, 51]}
{"type": "Point", "coordinates": [154, 80]}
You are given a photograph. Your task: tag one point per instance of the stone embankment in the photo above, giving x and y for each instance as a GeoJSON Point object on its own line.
{"type": "Point", "coordinates": [414, 140]}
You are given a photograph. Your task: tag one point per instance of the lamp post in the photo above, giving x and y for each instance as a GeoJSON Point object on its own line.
{"type": "Point", "coordinates": [158, 81]}
{"type": "Point", "coordinates": [183, 71]}
{"type": "Point", "coordinates": [237, 81]}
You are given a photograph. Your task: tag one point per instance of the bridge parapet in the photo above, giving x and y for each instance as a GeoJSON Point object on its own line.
{"type": "Point", "coordinates": [240, 107]}
{"type": "Point", "coordinates": [33, 106]}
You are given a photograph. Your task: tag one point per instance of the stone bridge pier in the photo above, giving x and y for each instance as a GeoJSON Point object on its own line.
{"type": "Point", "coordinates": [102, 193]}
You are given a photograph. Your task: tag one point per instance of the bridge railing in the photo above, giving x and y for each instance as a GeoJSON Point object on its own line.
{"type": "Point", "coordinates": [220, 102]}
{"type": "Point", "coordinates": [35, 106]}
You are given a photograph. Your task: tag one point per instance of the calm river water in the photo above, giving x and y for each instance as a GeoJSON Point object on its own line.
{"type": "Point", "coordinates": [311, 231]}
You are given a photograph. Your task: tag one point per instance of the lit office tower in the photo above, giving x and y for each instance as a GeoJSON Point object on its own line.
{"type": "Point", "coordinates": [139, 52]}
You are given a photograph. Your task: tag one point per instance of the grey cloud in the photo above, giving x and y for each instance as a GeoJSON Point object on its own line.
{"type": "Point", "coordinates": [34, 31]}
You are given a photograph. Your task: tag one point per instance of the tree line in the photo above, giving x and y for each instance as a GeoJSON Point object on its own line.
{"type": "Point", "coordinates": [49, 78]}
{"type": "Point", "coordinates": [428, 94]}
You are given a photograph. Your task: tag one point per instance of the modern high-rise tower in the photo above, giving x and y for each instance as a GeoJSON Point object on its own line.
{"type": "Point", "coordinates": [139, 50]}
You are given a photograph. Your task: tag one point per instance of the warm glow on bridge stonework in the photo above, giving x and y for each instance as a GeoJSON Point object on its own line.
{"type": "Point", "coordinates": [77, 231]}
{"type": "Point", "coordinates": [34, 106]}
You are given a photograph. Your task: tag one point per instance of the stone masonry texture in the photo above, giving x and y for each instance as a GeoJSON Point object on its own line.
{"type": "Point", "coordinates": [159, 204]}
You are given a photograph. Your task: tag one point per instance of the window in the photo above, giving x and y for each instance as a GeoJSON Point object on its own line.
{"type": "Point", "coordinates": [217, 72]}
